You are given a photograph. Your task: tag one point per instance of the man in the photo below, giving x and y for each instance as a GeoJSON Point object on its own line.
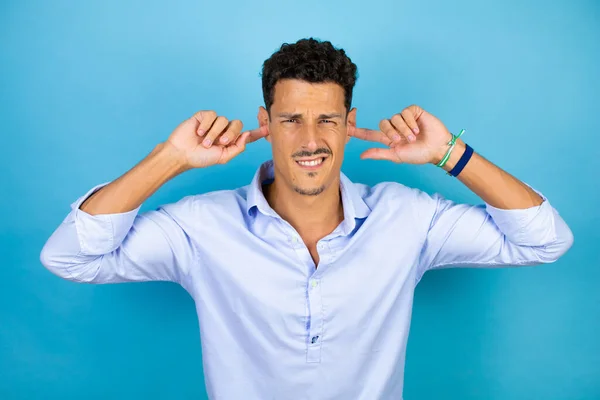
{"type": "Point", "coordinates": [303, 281]}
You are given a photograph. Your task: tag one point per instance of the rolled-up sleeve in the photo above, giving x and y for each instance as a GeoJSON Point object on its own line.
{"type": "Point", "coordinates": [486, 236]}
{"type": "Point", "coordinates": [120, 247]}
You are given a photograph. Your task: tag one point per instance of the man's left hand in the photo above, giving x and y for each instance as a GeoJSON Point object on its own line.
{"type": "Point", "coordinates": [413, 136]}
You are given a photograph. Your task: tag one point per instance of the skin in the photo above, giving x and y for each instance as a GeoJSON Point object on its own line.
{"type": "Point", "coordinates": [307, 120]}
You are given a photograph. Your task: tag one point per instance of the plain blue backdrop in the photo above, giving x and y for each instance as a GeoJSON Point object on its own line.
{"type": "Point", "coordinates": [87, 89]}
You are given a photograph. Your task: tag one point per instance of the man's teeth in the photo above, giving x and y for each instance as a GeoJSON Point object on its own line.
{"type": "Point", "coordinates": [312, 163]}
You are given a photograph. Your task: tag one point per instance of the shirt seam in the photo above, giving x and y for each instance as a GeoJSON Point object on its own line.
{"type": "Point", "coordinates": [466, 263]}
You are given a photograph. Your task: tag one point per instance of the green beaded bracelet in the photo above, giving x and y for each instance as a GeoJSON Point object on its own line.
{"type": "Point", "coordinates": [451, 143]}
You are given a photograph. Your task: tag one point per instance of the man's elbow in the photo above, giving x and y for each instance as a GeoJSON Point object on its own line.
{"type": "Point", "coordinates": [55, 263]}
{"type": "Point", "coordinates": [559, 247]}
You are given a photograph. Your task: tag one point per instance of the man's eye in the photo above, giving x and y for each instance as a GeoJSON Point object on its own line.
{"type": "Point", "coordinates": [290, 120]}
{"type": "Point", "coordinates": [327, 121]}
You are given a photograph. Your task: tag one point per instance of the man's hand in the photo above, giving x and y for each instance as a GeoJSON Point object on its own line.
{"type": "Point", "coordinates": [413, 136]}
{"type": "Point", "coordinates": [183, 150]}
{"type": "Point", "coordinates": [206, 139]}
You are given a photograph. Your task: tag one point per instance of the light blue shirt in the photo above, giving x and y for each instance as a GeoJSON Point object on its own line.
{"type": "Point", "coordinates": [272, 325]}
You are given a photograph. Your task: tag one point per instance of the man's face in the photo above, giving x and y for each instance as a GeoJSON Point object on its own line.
{"type": "Point", "coordinates": [308, 131]}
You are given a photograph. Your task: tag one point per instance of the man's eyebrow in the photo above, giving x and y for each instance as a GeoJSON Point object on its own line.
{"type": "Point", "coordinates": [299, 116]}
{"type": "Point", "coordinates": [289, 116]}
{"type": "Point", "coordinates": [330, 116]}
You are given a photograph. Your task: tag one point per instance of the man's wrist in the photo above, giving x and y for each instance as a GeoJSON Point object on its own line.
{"type": "Point", "coordinates": [174, 159]}
{"type": "Point", "coordinates": [455, 156]}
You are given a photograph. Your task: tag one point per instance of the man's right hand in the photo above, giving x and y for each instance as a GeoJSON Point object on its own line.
{"type": "Point", "coordinates": [183, 150]}
{"type": "Point", "coordinates": [206, 139]}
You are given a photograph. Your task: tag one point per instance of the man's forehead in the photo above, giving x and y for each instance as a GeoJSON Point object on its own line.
{"type": "Point", "coordinates": [300, 97]}
{"type": "Point", "coordinates": [292, 89]}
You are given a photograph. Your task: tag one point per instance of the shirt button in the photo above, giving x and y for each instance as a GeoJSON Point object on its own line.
{"type": "Point", "coordinates": [320, 246]}
{"type": "Point", "coordinates": [314, 339]}
{"type": "Point", "coordinates": [314, 283]}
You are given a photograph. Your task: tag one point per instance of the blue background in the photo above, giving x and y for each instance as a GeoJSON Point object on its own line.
{"type": "Point", "coordinates": [88, 88]}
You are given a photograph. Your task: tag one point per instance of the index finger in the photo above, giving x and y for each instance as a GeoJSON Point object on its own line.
{"type": "Point", "coordinates": [371, 135]}
{"type": "Point", "coordinates": [255, 134]}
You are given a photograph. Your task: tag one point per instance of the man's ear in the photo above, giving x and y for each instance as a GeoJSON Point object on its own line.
{"type": "Point", "coordinates": [351, 124]}
{"type": "Point", "coordinates": [263, 121]}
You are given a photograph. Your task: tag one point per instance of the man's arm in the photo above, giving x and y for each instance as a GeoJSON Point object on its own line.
{"type": "Point", "coordinates": [133, 188]}
{"type": "Point", "coordinates": [516, 225]}
{"type": "Point", "coordinates": [104, 240]}
{"type": "Point", "coordinates": [483, 236]}
{"type": "Point", "coordinates": [492, 184]}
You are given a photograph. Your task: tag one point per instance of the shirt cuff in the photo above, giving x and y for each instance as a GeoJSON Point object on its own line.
{"type": "Point", "coordinates": [102, 233]}
{"type": "Point", "coordinates": [533, 226]}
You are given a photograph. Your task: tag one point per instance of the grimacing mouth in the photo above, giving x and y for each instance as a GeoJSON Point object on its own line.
{"type": "Point", "coordinates": [311, 162]}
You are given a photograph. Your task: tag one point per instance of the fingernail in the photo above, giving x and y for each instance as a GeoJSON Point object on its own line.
{"type": "Point", "coordinates": [224, 139]}
{"type": "Point", "coordinates": [201, 132]}
{"type": "Point", "coordinates": [411, 138]}
{"type": "Point", "coordinates": [396, 138]}
{"type": "Point", "coordinates": [416, 130]}
{"type": "Point", "coordinates": [206, 142]}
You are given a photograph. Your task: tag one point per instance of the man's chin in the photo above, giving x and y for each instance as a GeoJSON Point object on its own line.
{"type": "Point", "coordinates": [309, 191]}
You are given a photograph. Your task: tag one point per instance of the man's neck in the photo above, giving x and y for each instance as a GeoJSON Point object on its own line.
{"type": "Point", "coordinates": [313, 217]}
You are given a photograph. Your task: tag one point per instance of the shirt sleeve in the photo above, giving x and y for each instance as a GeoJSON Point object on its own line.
{"type": "Point", "coordinates": [121, 247]}
{"type": "Point", "coordinates": [486, 236]}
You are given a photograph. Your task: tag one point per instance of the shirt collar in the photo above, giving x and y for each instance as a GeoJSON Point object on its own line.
{"type": "Point", "coordinates": [354, 205]}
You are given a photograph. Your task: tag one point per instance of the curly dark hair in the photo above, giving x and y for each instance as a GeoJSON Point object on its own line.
{"type": "Point", "coordinates": [310, 60]}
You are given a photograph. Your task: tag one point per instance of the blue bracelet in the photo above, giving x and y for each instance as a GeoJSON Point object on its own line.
{"type": "Point", "coordinates": [464, 159]}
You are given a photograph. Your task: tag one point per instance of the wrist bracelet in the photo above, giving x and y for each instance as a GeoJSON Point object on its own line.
{"type": "Point", "coordinates": [464, 159]}
{"type": "Point", "coordinates": [451, 143]}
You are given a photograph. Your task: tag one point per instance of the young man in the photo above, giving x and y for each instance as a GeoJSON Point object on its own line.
{"type": "Point", "coordinates": [304, 281]}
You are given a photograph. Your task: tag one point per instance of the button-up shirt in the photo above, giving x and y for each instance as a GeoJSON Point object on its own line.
{"type": "Point", "coordinates": [272, 324]}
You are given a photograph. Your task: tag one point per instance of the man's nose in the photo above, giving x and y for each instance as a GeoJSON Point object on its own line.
{"type": "Point", "coordinates": [310, 138]}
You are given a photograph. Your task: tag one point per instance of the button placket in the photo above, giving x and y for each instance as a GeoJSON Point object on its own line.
{"type": "Point", "coordinates": [315, 332]}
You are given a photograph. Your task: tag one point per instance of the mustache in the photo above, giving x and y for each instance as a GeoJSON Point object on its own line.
{"type": "Point", "coordinates": [306, 153]}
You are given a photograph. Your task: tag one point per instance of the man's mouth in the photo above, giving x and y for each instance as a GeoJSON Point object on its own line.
{"type": "Point", "coordinates": [311, 163]}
